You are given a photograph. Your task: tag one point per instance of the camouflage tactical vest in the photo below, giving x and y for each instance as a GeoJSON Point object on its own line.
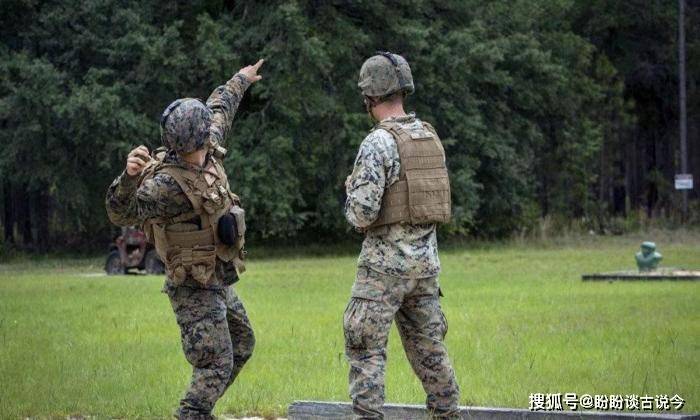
{"type": "Point", "coordinates": [422, 193]}
{"type": "Point", "coordinates": [188, 248]}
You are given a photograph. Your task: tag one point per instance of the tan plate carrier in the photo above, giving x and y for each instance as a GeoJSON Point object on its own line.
{"type": "Point", "coordinates": [422, 193]}
{"type": "Point", "coordinates": [185, 248]}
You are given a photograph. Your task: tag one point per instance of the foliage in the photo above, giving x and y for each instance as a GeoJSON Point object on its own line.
{"type": "Point", "coordinates": [529, 97]}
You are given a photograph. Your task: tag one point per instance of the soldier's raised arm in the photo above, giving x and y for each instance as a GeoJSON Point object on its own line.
{"type": "Point", "coordinates": [224, 101]}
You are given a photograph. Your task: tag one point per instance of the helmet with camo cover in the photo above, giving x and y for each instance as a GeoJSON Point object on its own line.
{"type": "Point", "coordinates": [384, 74]}
{"type": "Point", "coordinates": [184, 125]}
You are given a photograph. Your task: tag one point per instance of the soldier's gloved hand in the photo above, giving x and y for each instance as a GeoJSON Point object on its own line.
{"type": "Point", "coordinates": [137, 160]}
{"type": "Point", "coordinates": [251, 72]}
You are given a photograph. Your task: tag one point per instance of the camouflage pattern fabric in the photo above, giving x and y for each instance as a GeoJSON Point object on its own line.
{"type": "Point", "coordinates": [223, 103]}
{"type": "Point", "coordinates": [217, 340]}
{"type": "Point", "coordinates": [161, 196]}
{"type": "Point", "coordinates": [396, 280]}
{"type": "Point", "coordinates": [399, 250]}
{"type": "Point", "coordinates": [216, 335]}
{"type": "Point", "coordinates": [379, 76]}
{"type": "Point", "coordinates": [185, 125]}
{"type": "Point", "coordinates": [377, 299]}
{"type": "Point", "coordinates": [130, 204]}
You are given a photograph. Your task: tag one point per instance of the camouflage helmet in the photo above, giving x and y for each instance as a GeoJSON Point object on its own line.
{"type": "Point", "coordinates": [385, 74]}
{"type": "Point", "coordinates": [184, 125]}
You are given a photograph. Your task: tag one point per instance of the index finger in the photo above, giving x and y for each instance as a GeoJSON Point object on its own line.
{"type": "Point", "coordinates": [258, 64]}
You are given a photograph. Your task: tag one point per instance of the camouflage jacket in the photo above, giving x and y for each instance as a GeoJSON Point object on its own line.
{"type": "Point", "coordinates": [131, 202]}
{"type": "Point", "coordinates": [400, 250]}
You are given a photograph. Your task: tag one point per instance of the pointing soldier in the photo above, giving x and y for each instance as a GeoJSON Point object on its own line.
{"type": "Point", "coordinates": [182, 198]}
{"type": "Point", "coordinates": [397, 193]}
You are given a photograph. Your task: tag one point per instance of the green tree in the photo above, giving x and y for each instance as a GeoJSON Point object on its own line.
{"type": "Point", "coordinates": [536, 102]}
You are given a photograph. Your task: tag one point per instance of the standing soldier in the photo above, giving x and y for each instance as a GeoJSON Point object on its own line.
{"type": "Point", "coordinates": [181, 196]}
{"type": "Point", "coordinates": [398, 191]}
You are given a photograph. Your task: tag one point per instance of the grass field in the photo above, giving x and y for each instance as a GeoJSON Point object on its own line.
{"type": "Point", "coordinates": [520, 321]}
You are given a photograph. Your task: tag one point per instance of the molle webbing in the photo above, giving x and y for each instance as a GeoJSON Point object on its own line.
{"type": "Point", "coordinates": [193, 186]}
{"type": "Point", "coordinates": [193, 252]}
{"type": "Point", "coordinates": [193, 239]}
{"type": "Point", "coordinates": [422, 193]}
{"type": "Point", "coordinates": [189, 183]}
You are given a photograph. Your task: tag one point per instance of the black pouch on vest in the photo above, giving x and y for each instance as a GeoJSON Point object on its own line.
{"type": "Point", "coordinates": [227, 229]}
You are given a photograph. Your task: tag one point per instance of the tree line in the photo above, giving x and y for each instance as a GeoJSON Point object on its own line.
{"type": "Point", "coordinates": [558, 109]}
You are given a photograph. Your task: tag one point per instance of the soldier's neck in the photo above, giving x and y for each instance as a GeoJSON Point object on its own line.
{"type": "Point", "coordinates": [198, 157]}
{"type": "Point", "coordinates": [386, 110]}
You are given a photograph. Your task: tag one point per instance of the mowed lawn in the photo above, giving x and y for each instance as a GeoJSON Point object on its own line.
{"type": "Point", "coordinates": [520, 321]}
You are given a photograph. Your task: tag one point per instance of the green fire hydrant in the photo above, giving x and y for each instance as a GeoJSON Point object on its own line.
{"type": "Point", "coordinates": [648, 259]}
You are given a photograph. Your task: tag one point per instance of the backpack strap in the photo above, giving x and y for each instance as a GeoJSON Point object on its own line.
{"type": "Point", "coordinates": [402, 137]}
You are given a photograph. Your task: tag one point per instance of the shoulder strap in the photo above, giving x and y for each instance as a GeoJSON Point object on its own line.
{"type": "Point", "coordinates": [219, 169]}
{"type": "Point", "coordinates": [430, 128]}
{"type": "Point", "coordinates": [394, 128]}
{"type": "Point", "coordinates": [222, 175]}
{"type": "Point", "coordinates": [155, 166]}
{"type": "Point", "coordinates": [386, 125]}
{"type": "Point", "coordinates": [186, 180]}
{"type": "Point", "coordinates": [401, 137]}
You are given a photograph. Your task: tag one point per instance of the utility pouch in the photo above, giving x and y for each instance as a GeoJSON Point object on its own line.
{"type": "Point", "coordinates": [213, 200]}
{"type": "Point", "coordinates": [199, 262]}
{"type": "Point", "coordinates": [231, 233]}
{"type": "Point", "coordinates": [239, 214]}
{"type": "Point", "coordinates": [227, 229]}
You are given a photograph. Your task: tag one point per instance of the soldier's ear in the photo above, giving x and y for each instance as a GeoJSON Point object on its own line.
{"type": "Point", "coordinates": [370, 101]}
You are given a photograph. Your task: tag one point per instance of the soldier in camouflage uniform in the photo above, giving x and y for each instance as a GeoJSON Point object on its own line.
{"type": "Point", "coordinates": [398, 267]}
{"type": "Point", "coordinates": [216, 335]}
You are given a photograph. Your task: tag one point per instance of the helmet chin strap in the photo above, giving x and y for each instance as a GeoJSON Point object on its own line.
{"type": "Point", "coordinates": [369, 104]}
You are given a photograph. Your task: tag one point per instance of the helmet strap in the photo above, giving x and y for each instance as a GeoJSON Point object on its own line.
{"type": "Point", "coordinates": [369, 104]}
{"type": "Point", "coordinates": [389, 56]}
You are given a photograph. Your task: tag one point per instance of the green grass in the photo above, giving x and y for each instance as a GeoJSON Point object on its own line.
{"type": "Point", "coordinates": [520, 321]}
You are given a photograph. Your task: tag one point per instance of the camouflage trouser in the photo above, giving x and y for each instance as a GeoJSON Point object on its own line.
{"type": "Point", "coordinates": [217, 340]}
{"type": "Point", "coordinates": [377, 299]}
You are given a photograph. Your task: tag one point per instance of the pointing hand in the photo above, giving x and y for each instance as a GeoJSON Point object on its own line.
{"type": "Point", "coordinates": [251, 72]}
